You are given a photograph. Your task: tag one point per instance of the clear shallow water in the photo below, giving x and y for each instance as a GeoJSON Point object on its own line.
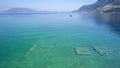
{"type": "Point", "coordinates": [49, 40]}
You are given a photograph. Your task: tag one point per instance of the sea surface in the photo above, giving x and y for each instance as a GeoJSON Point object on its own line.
{"type": "Point", "coordinates": [49, 40]}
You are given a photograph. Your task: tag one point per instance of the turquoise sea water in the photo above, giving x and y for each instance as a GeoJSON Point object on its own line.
{"type": "Point", "coordinates": [48, 40]}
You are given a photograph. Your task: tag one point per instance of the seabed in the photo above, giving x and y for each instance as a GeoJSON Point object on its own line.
{"type": "Point", "coordinates": [45, 57]}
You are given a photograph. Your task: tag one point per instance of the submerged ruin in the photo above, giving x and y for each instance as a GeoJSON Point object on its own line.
{"type": "Point", "coordinates": [82, 51]}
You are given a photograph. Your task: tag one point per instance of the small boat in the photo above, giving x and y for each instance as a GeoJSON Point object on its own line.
{"type": "Point", "coordinates": [70, 15]}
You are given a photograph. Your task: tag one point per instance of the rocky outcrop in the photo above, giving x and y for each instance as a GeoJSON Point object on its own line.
{"type": "Point", "coordinates": [102, 6]}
